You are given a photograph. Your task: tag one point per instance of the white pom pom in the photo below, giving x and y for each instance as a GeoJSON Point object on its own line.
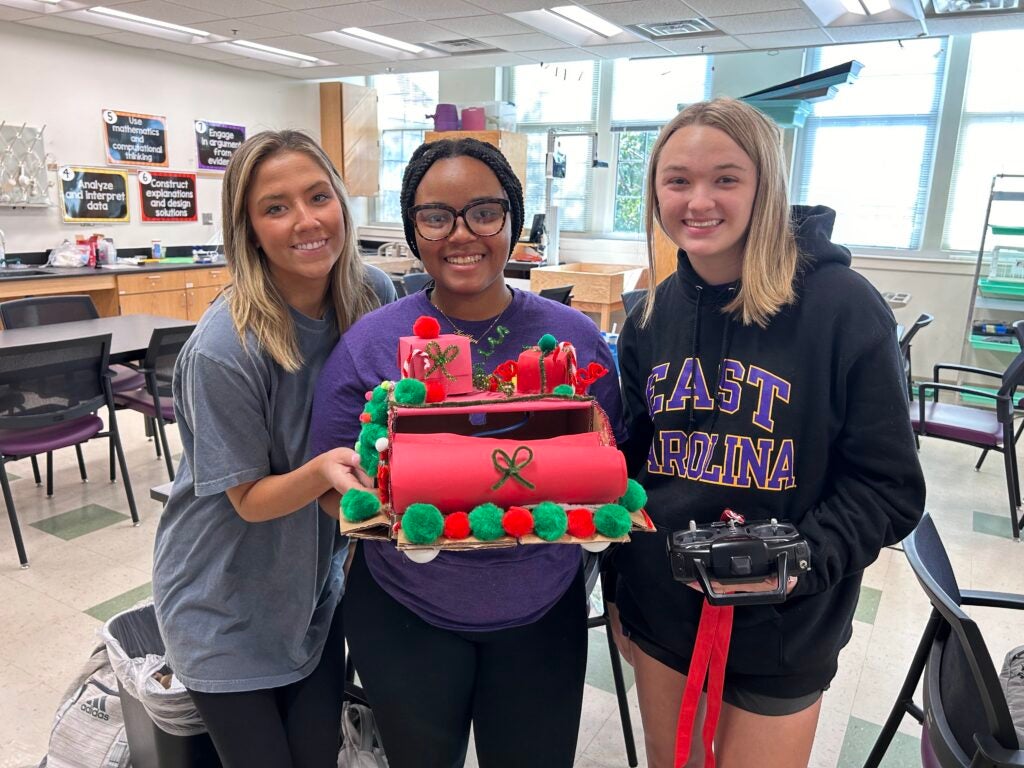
{"type": "Point", "coordinates": [421, 555]}
{"type": "Point", "coordinates": [381, 444]}
{"type": "Point", "coordinates": [595, 546]}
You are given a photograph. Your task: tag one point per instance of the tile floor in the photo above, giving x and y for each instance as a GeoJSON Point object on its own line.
{"type": "Point", "coordinates": [88, 563]}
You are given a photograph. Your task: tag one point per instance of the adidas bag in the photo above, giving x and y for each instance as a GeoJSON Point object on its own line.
{"type": "Point", "coordinates": [362, 742]}
{"type": "Point", "coordinates": [88, 730]}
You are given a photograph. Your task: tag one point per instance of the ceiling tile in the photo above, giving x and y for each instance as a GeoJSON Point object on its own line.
{"type": "Point", "coordinates": [257, 64]}
{"type": "Point", "coordinates": [642, 11]}
{"type": "Point", "coordinates": [302, 44]}
{"type": "Point", "coordinates": [478, 61]}
{"type": "Point", "coordinates": [708, 8]}
{"type": "Point", "coordinates": [511, 6]}
{"type": "Point", "coordinates": [528, 42]}
{"type": "Point", "coordinates": [413, 32]}
{"type": "Point", "coordinates": [361, 15]}
{"type": "Point", "coordinates": [14, 14]}
{"type": "Point", "coordinates": [754, 23]}
{"type": "Point", "coordinates": [979, 23]}
{"type": "Point", "coordinates": [559, 54]}
{"type": "Point", "coordinates": [433, 9]}
{"type": "Point", "coordinates": [230, 8]}
{"type": "Point", "coordinates": [239, 28]}
{"type": "Point", "coordinates": [791, 39]}
{"type": "Point", "coordinates": [490, 25]}
{"type": "Point", "coordinates": [60, 23]}
{"type": "Point", "coordinates": [308, 5]}
{"type": "Point", "coordinates": [175, 14]}
{"type": "Point", "coordinates": [627, 50]}
{"type": "Point", "coordinates": [292, 22]}
{"type": "Point", "coordinates": [864, 32]}
{"type": "Point", "coordinates": [706, 44]}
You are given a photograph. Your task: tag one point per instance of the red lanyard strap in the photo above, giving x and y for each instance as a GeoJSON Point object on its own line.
{"type": "Point", "coordinates": [710, 652]}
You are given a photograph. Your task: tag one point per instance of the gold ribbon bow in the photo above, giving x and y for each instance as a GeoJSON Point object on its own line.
{"type": "Point", "coordinates": [439, 358]}
{"type": "Point", "coordinates": [511, 467]}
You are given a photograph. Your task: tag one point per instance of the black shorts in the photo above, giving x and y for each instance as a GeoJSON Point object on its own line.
{"type": "Point", "coordinates": [748, 701]}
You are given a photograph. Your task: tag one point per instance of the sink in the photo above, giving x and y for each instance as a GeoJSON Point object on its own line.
{"type": "Point", "coordinates": [6, 272]}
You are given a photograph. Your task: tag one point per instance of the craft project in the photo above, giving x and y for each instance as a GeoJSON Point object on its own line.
{"type": "Point", "coordinates": [492, 467]}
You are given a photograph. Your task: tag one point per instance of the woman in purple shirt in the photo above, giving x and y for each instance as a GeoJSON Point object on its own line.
{"type": "Point", "coordinates": [494, 638]}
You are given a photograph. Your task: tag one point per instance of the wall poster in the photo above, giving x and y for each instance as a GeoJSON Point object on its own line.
{"type": "Point", "coordinates": [134, 139]}
{"type": "Point", "coordinates": [215, 143]}
{"type": "Point", "coordinates": [167, 196]}
{"type": "Point", "coordinates": [93, 194]}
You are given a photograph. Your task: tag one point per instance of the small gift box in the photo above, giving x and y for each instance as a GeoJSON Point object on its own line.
{"type": "Point", "coordinates": [446, 359]}
{"type": "Point", "coordinates": [539, 371]}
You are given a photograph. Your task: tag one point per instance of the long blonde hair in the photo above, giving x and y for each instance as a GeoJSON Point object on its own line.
{"type": "Point", "coordinates": [255, 303]}
{"type": "Point", "coordinates": [769, 253]}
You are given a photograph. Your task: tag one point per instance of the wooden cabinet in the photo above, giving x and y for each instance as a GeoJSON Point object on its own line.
{"type": "Point", "coordinates": [512, 146]}
{"type": "Point", "coordinates": [184, 293]}
{"type": "Point", "coordinates": [665, 255]}
{"type": "Point", "coordinates": [348, 134]}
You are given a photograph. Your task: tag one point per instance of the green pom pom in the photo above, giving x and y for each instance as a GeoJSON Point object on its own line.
{"type": "Point", "coordinates": [370, 433]}
{"type": "Point", "coordinates": [369, 458]}
{"type": "Point", "coordinates": [422, 523]}
{"type": "Point", "coordinates": [380, 394]}
{"type": "Point", "coordinates": [549, 521]}
{"type": "Point", "coordinates": [358, 505]}
{"type": "Point", "coordinates": [547, 342]}
{"type": "Point", "coordinates": [635, 496]}
{"type": "Point", "coordinates": [410, 392]}
{"type": "Point", "coordinates": [612, 521]}
{"type": "Point", "coordinates": [378, 411]}
{"type": "Point", "coordinates": [565, 390]}
{"type": "Point", "coordinates": [485, 522]}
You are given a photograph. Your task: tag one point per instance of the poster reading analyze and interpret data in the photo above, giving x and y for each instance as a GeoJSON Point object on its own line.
{"type": "Point", "coordinates": [134, 139]}
{"type": "Point", "coordinates": [93, 194]}
{"type": "Point", "coordinates": [216, 143]}
{"type": "Point", "coordinates": [167, 196]}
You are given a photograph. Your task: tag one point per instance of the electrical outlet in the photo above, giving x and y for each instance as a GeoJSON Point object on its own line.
{"type": "Point", "coordinates": [207, 218]}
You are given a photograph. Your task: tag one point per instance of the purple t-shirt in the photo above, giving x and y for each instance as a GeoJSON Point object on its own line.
{"type": "Point", "coordinates": [477, 590]}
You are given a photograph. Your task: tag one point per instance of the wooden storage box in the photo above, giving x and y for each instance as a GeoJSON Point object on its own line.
{"type": "Point", "coordinates": [595, 287]}
{"type": "Point", "coordinates": [512, 146]}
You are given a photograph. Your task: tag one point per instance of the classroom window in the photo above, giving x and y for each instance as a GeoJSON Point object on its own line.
{"type": "Point", "coordinates": [991, 140]}
{"type": "Point", "coordinates": [869, 151]}
{"type": "Point", "coordinates": [403, 103]}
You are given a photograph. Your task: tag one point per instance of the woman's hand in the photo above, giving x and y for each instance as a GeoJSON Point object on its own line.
{"type": "Point", "coordinates": [341, 471]}
{"type": "Point", "coordinates": [768, 585]}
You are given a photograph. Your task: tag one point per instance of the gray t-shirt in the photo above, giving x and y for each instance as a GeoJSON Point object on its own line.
{"type": "Point", "coordinates": [245, 606]}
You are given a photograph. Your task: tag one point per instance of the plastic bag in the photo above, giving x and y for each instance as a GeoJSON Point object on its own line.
{"type": "Point", "coordinates": [68, 254]}
{"type": "Point", "coordinates": [137, 652]}
{"type": "Point", "coordinates": [1011, 677]}
{"type": "Point", "coordinates": [362, 745]}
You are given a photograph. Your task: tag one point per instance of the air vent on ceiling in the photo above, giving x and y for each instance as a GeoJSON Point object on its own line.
{"type": "Point", "coordinates": [663, 30]}
{"type": "Point", "coordinates": [462, 45]}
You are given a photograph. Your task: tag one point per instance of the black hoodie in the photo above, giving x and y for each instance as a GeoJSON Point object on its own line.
{"type": "Point", "coordinates": [810, 424]}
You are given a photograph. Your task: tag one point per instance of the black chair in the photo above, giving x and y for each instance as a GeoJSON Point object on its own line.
{"type": "Point", "coordinates": [1018, 332]}
{"type": "Point", "coordinates": [631, 299]}
{"type": "Point", "coordinates": [965, 716]}
{"type": "Point", "coordinates": [562, 294]}
{"type": "Point", "coordinates": [591, 573]}
{"type": "Point", "coordinates": [922, 320]}
{"type": "Point", "coordinates": [986, 428]}
{"type": "Point", "coordinates": [49, 396]}
{"type": "Point", "coordinates": [154, 399]}
{"type": "Point", "coordinates": [399, 284]}
{"type": "Point", "coordinates": [415, 281]}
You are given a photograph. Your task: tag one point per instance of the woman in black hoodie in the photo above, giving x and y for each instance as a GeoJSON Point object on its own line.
{"type": "Point", "coordinates": [763, 376]}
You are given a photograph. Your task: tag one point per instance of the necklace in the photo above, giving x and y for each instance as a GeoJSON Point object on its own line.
{"type": "Point", "coordinates": [470, 336]}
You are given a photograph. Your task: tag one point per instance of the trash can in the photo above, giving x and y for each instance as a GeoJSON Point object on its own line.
{"type": "Point", "coordinates": [163, 727]}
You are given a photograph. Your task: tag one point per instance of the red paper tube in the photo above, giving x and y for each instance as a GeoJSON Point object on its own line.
{"type": "Point", "coordinates": [455, 472]}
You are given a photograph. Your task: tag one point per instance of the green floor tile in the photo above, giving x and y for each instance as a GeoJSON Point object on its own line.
{"type": "Point", "coordinates": [903, 752]}
{"type": "Point", "coordinates": [78, 522]}
{"type": "Point", "coordinates": [599, 665]}
{"type": "Point", "coordinates": [115, 605]}
{"type": "Point", "coordinates": [867, 605]}
{"type": "Point", "coordinates": [993, 525]}
{"type": "Point", "coordinates": [11, 477]}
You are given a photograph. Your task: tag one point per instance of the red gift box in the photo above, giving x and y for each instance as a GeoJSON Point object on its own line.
{"type": "Point", "coordinates": [559, 367]}
{"type": "Point", "coordinates": [446, 359]}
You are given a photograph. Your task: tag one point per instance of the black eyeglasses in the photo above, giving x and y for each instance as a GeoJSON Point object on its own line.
{"type": "Point", "coordinates": [484, 218]}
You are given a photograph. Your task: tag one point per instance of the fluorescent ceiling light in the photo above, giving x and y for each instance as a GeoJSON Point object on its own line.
{"type": "Point", "coordinates": [586, 19]}
{"type": "Point", "coordinates": [390, 42]}
{"type": "Point", "coordinates": [968, 6]}
{"type": "Point", "coordinates": [866, 7]}
{"type": "Point", "coordinates": [274, 51]}
{"type": "Point", "coordinates": [115, 14]}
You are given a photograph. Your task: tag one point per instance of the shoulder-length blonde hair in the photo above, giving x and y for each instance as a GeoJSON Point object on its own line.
{"type": "Point", "coordinates": [770, 253]}
{"type": "Point", "coordinates": [255, 303]}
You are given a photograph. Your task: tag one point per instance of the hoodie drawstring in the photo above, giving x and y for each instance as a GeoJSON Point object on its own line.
{"type": "Point", "coordinates": [695, 358]}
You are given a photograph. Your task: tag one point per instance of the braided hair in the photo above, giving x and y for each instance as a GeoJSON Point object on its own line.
{"type": "Point", "coordinates": [428, 154]}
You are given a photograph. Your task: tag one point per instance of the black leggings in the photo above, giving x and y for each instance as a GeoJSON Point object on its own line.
{"type": "Point", "coordinates": [294, 726]}
{"type": "Point", "coordinates": [521, 688]}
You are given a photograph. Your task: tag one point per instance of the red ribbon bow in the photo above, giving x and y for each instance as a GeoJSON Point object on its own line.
{"type": "Point", "coordinates": [584, 377]}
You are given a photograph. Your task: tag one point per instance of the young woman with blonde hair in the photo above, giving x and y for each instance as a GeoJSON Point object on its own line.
{"type": "Point", "coordinates": [248, 571]}
{"type": "Point", "coordinates": [762, 376]}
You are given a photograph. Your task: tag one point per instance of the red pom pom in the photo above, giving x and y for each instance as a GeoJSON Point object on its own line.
{"type": "Point", "coordinates": [365, 418]}
{"type": "Point", "coordinates": [456, 525]}
{"type": "Point", "coordinates": [383, 483]}
{"type": "Point", "coordinates": [517, 521]}
{"type": "Point", "coordinates": [436, 391]}
{"type": "Point", "coordinates": [426, 327]}
{"type": "Point", "coordinates": [492, 383]}
{"type": "Point", "coordinates": [581, 523]}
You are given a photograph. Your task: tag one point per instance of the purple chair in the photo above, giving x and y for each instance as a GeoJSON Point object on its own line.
{"type": "Point", "coordinates": [154, 399]}
{"type": "Point", "coordinates": [49, 310]}
{"type": "Point", "coordinates": [965, 717]}
{"type": "Point", "coordinates": [49, 396]}
{"type": "Point", "coordinates": [987, 428]}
